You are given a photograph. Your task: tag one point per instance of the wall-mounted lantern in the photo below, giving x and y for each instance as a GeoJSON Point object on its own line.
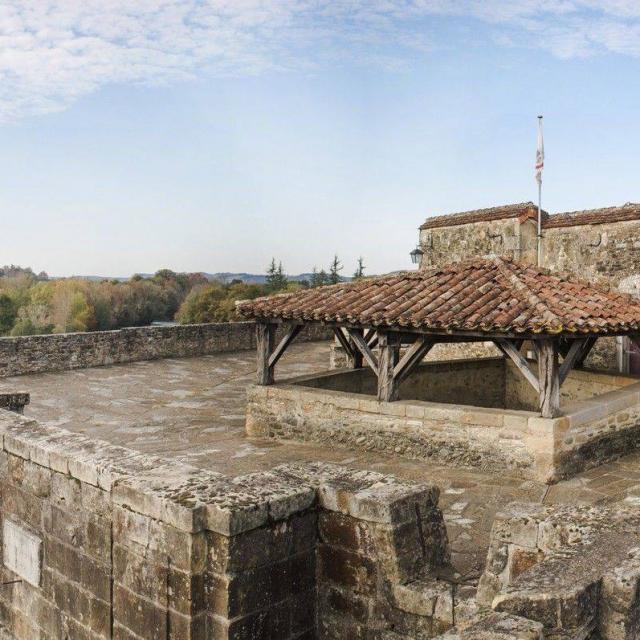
{"type": "Point", "coordinates": [416, 255]}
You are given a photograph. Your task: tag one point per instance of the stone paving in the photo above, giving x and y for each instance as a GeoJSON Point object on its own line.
{"type": "Point", "coordinates": [193, 410]}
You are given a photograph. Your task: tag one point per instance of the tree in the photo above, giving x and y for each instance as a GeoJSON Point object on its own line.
{"type": "Point", "coordinates": [276, 278]}
{"type": "Point", "coordinates": [8, 313]}
{"type": "Point", "coordinates": [334, 271]}
{"type": "Point", "coordinates": [359, 272]}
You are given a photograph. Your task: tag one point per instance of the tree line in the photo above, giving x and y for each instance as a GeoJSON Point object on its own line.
{"type": "Point", "coordinates": [35, 304]}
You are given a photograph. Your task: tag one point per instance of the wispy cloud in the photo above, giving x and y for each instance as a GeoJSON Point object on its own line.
{"type": "Point", "coordinates": [54, 51]}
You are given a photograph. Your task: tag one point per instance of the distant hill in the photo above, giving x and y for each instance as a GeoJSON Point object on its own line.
{"type": "Point", "coordinates": [249, 278]}
{"type": "Point", "coordinates": [252, 278]}
{"type": "Point", "coordinates": [222, 276]}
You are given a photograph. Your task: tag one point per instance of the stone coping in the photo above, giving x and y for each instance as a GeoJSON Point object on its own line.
{"type": "Point", "coordinates": [193, 499]}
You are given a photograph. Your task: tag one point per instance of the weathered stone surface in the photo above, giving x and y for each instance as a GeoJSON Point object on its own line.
{"type": "Point", "coordinates": [573, 569]}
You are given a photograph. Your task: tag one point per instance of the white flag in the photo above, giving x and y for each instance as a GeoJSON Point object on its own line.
{"type": "Point", "coordinates": [539, 153]}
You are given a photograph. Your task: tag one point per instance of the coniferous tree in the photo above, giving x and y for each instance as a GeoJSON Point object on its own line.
{"type": "Point", "coordinates": [334, 271]}
{"type": "Point", "coordinates": [276, 278]}
{"type": "Point", "coordinates": [359, 272]}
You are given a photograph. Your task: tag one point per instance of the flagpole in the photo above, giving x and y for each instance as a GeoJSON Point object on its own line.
{"type": "Point", "coordinates": [540, 208]}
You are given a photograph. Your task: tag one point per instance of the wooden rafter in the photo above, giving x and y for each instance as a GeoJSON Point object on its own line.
{"type": "Point", "coordinates": [288, 338]}
{"type": "Point", "coordinates": [412, 358]}
{"type": "Point", "coordinates": [358, 340]}
{"type": "Point", "coordinates": [511, 351]}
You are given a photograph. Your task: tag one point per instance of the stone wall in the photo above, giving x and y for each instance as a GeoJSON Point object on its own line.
{"type": "Point", "coordinates": [59, 352]}
{"type": "Point", "coordinates": [99, 541]}
{"type": "Point", "coordinates": [507, 237]}
{"type": "Point", "coordinates": [595, 252]}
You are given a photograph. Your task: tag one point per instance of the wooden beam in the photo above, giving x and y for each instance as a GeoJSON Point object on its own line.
{"type": "Point", "coordinates": [511, 351]}
{"type": "Point", "coordinates": [389, 356]}
{"type": "Point", "coordinates": [344, 341]}
{"type": "Point", "coordinates": [571, 357]}
{"type": "Point", "coordinates": [363, 347]}
{"type": "Point", "coordinates": [356, 360]}
{"type": "Point", "coordinates": [412, 358]}
{"type": "Point", "coordinates": [288, 338]}
{"type": "Point", "coordinates": [265, 338]}
{"type": "Point", "coordinates": [549, 377]}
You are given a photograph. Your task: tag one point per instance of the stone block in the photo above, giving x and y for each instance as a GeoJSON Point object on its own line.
{"type": "Point", "coordinates": [346, 569]}
{"type": "Point", "coordinates": [138, 615]}
{"type": "Point", "coordinates": [420, 597]}
{"type": "Point", "coordinates": [337, 529]}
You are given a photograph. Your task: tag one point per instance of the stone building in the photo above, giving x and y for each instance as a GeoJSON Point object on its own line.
{"type": "Point", "coordinates": [601, 245]}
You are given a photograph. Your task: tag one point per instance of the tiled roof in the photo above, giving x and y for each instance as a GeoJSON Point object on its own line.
{"type": "Point", "coordinates": [522, 210]}
{"type": "Point", "coordinates": [491, 296]}
{"type": "Point", "coordinates": [629, 211]}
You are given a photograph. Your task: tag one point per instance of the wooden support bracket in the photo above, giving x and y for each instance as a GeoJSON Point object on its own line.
{"type": "Point", "coordinates": [358, 340]}
{"type": "Point", "coordinates": [412, 358]}
{"type": "Point", "coordinates": [572, 356]}
{"type": "Point", "coordinates": [509, 349]}
{"type": "Point", "coordinates": [288, 338]}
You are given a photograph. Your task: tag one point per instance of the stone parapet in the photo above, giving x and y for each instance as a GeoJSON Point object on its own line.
{"type": "Point", "coordinates": [105, 542]}
{"type": "Point", "coordinates": [60, 352]}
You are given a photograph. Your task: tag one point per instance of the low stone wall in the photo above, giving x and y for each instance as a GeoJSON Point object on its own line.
{"type": "Point", "coordinates": [59, 352]}
{"type": "Point", "coordinates": [99, 541]}
{"type": "Point", "coordinates": [590, 432]}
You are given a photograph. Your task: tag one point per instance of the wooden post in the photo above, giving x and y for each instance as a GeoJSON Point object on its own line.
{"type": "Point", "coordinates": [265, 340]}
{"type": "Point", "coordinates": [389, 344]}
{"type": "Point", "coordinates": [548, 378]}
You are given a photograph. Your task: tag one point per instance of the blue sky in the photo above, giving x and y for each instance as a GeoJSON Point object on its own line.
{"type": "Point", "coordinates": [214, 134]}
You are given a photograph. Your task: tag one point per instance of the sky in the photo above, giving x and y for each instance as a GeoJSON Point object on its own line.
{"type": "Point", "coordinates": [213, 135]}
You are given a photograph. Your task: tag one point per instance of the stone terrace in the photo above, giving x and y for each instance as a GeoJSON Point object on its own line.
{"type": "Point", "coordinates": [193, 410]}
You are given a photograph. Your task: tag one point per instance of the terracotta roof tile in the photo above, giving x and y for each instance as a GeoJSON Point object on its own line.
{"type": "Point", "coordinates": [522, 210]}
{"type": "Point", "coordinates": [492, 296]}
{"type": "Point", "coordinates": [629, 211]}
